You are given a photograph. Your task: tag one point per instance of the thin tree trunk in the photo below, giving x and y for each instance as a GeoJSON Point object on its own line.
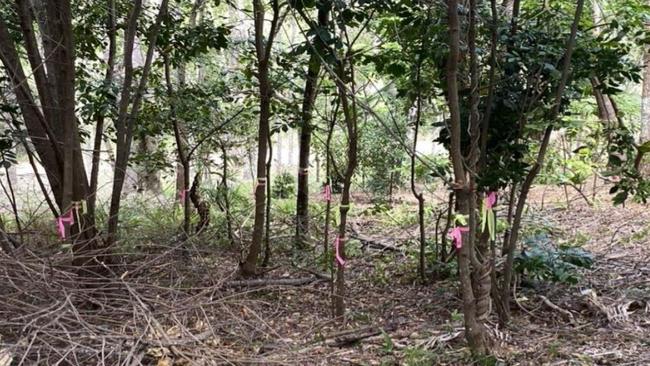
{"type": "Point", "coordinates": [226, 199]}
{"type": "Point", "coordinates": [267, 229]}
{"type": "Point", "coordinates": [418, 195]}
{"type": "Point", "coordinates": [645, 98]}
{"type": "Point", "coordinates": [263, 53]}
{"type": "Point", "coordinates": [350, 116]}
{"type": "Point", "coordinates": [181, 182]}
{"type": "Point", "coordinates": [126, 119]}
{"type": "Point", "coordinates": [534, 170]}
{"type": "Point", "coordinates": [181, 151]}
{"type": "Point", "coordinates": [306, 128]}
{"type": "Point", "coordinates": [328, 203]}
{"type": "Point", "coordinates": [111, 28]}
{"type": "Point", "coordinates": [475, 333]}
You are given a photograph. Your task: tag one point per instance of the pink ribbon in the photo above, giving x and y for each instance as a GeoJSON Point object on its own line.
{"type": "Point", "coordinates": [327, 193]}
{"type": "Point", "coordinates": [182, 194]}
{"type": "Point", "coordinates": [62, 220]}
{"type": "Point", "coordinates": [337, 244]}
{"type": "Point", "coordinates": [456, 235]}
{"type": "Point", "coordinates": [491, 200]}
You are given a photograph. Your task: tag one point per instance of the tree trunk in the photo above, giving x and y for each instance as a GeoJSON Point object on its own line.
{"type": "Point", "coordinates": [309, 98]}
{"type": "Point", "coordinates": [226, 199]}
{"type": "Point", "coordinates": [126, 119]}
{"type": "Point", "coordinates": [148, 176]}
{"type": "Point", "coordinates": [111, 29]}
{"type": "Point", "coordinates": [267, 228]}
{"type": "Point", "coordinates": [263, 53]}
{"type": "Point", "coordinates": [348, 104]}
{"type": "Point", "coordinates": [475, 332]}
{"type": "Point", "coordinates": [645, 98]}
{"type": "Point", "coordinates": [55, 136]}
{"type": "Point", "coordinates": [182, 189]}
{"type": "Point", "coordinates": [534, 170]}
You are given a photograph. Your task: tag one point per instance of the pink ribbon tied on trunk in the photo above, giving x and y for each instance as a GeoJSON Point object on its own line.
{"type": "Point", "coordinates": [337, 244]}
{"type": "Point", "coordinates": [62, 220]}
{"type": "Point", "coordinates": [327, 193]}
{"type": "Point", "coordinates": [456, 235]}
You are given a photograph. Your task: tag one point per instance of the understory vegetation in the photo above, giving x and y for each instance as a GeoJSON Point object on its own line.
{"type": "Point", "coordinates": [380, 182]}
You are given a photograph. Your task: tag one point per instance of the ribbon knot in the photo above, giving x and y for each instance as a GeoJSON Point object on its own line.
{"type": "Point", "coordinates": [456, 235]}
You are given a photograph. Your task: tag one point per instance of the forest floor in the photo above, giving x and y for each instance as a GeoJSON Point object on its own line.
{"type": "Point", "coordinates": [166, 309]}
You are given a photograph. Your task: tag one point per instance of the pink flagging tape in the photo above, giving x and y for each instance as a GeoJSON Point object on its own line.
{"type": "Point", "coordinates": [456, 235]}
{"type": "Point", "coordinates": [327, 193]}
{"type": "Point", "coordinates": [491, 200]}
{"type": "Point", "coordinates": [62, 220]}
{"type": "Point", "coordinates": [182, 194]}
{"type": "Point", "coordinates": [337, 244]}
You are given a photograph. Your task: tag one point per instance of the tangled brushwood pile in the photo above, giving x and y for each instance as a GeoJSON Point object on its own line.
{"type": "Point", "coordinates": [151, 312]}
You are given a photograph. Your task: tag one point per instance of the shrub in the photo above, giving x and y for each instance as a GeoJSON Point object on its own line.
{"type": "Point", "coordinates": [284, 186]}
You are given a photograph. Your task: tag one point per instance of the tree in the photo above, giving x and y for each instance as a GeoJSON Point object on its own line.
{"type": "Point", "coordinates": [316, 51]}
{"type": "Point", "coordinates": [51, 123]}
{"type": "Point", "coordinates": [645, 97]}
{"type": "Point", "coordinates": [129, 106]}
{"type": "Point", "coordinates": [263, 53]}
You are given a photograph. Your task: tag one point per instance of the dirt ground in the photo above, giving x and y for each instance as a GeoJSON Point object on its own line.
{"type": "Point", "coordinates": [168, 310]}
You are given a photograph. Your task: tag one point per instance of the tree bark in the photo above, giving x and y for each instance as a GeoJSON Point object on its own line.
{"type": "Point", "coordinates": [645, 97]}
{"type": "Point", "coordinates": [348, 105]}
{"type": "Point", "coordinates": [465, 197]}
{"type": "Point", "coordinates": [306, 128]}
{"type": "Point", "coordinates": [111, 29]}
{"type": "Point", "coordinates": [263, 52]}
{"type": "Point", "coordinates": [126, 119]}
{"type": "Point", "coordinates": [54, 130]}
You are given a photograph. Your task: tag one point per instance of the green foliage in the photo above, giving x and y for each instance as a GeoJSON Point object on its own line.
{"type": "Point", "coordinates": [7, 149]}
{"type": "Point", "coordinates": [624, 157]}
{"type": "Point", "coordinates": [387, 344]}
{"type": "Point", "coordinates": [541, 260]}
{"type": "Point", "coordinates": [284, 185]}
{"type": "Point", "coordinates": [415, 356]}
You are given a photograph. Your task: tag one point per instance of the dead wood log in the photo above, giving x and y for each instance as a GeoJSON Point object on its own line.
{"type": "Point", "coordinates": [348, 337]}
{"type": "Point", "coordinates": [372, 242]}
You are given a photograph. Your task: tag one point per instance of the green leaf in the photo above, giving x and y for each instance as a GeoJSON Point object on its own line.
{"type": "Point", "coordinates": [644, 148]}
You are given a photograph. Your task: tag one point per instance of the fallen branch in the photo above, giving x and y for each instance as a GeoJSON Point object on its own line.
{"type": "Point", "coordinates": [372, 242]}
{"type": "Point", "coordinates": [273, 282]}
{"type": "Point", "coordinates": [347, 337]}
{"type": "Point", "coordinates": [557, 308]}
